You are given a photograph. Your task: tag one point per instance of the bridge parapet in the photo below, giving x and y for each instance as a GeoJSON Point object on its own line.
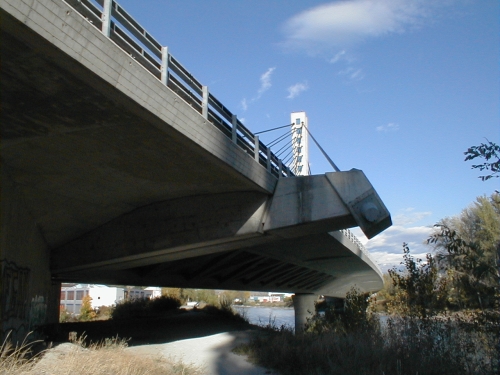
{"type": "Point", "coordinates": [119, 26]}
{"type": "Point", "coordinates": [355, 240]}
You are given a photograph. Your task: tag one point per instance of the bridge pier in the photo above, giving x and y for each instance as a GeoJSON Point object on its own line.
{"type": "Point", "coordinates": [28, 296]}
{"type": "Point", "coordinates": [303, 304]}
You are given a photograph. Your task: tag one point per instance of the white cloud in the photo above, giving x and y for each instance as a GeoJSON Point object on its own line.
{"type": "Point", "coordinates": [295, 90]}
{"type": "Point", "coordinates": [354, 74]}
{"type": "Point", "coordinates": [244, 104]}
{"type": "Point", "coordinates": [265, 81]}
{"type": "Point", "coordinates": [265, 84]}
{"type": "Point", "coordinates": [410, 216]}
{"type": "Point", "coordinates": [340, 55]}
{"type": "Point", "coordinates": [343, 23]}
{"type": "Point", "coordinates": [390, 127]}
{"type": "Point", "coordinates": [386, 249]}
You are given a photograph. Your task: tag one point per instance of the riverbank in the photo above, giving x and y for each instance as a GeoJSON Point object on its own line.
{"type": "Point", "coordinates": [187, 342]}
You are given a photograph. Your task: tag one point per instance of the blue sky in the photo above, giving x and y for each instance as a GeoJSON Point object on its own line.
{"type": "Point", "coordinates": [396, 88]}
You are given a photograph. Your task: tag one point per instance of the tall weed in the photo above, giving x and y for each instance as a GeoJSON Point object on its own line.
{"type": "Point", "coordinates": [109, 356]}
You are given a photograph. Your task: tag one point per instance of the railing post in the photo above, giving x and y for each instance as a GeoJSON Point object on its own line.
{"type": "Point", "coordinates": [280, 168]}
{"type": "Point", "coordinates": [269, 159]}
{"type": "Point", "coordinates": [204, 102]}
{"type": "Point", "coordinates": [164, 65]}
{"type": "Point", "coordinates": [256, 147]}
{"type": "Point", "coordinates": [106, 17]}
{"type": "Point", "coordinates": [234, 136]}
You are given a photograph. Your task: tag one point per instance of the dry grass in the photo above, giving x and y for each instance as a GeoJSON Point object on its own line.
{"type": "Point", "coordinates": [16, 360]}
{"type": "Point", "coordinates": [405, 347]}
{"type": "Point", "coordinates": [103, 358]}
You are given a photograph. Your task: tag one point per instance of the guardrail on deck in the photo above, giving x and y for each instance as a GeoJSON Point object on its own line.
{"type": "Point", "coordinates": [114, 22]}
{"type": "Point", "coordinates": [351, 237]}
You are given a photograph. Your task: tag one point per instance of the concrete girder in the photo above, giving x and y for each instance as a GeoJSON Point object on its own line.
{"type": "Point", "coordinates": [336, 200]}
{"type": "Point", "coordinates": [289, 239]}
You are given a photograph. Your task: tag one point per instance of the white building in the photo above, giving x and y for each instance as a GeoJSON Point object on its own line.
{"type": "Point", "coordinates": [300, 144]}
{"type": "Point", "coordinates": [150, 292]}
{"type": "Point", "coordinates": [102, 295]}
{"type": "Point", "coordinates": [268, 297]}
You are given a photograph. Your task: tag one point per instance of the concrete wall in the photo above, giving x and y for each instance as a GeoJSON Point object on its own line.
{"type": "Point", "coordinates": [28, 298]}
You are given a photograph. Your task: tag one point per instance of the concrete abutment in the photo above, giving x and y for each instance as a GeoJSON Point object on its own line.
{"type": "Point", "coordinates": [29, 298]}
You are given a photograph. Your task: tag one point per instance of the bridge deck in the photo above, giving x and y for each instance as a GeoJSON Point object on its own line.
{"type": "Point", "coordinates": [89, 134]}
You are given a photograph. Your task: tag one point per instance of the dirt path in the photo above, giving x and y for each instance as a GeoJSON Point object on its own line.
{"type": "Point", "coordinates": [213, 353]}
{"type": "Point", "coordinates": [195, 337]}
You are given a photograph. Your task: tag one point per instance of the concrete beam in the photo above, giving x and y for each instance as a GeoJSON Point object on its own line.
{"type": "Point", "coordinates": [166, 231]}
{"type": "Point", "coordinates": [324, 203]}
{"type": "Point", "coordinates": [362, 200]}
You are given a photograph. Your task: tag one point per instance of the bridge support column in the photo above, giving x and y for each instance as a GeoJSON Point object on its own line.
{"type": "Point", "coordinates": [303, 304]}
{"type": "Point", "coordinates": [28, 298]}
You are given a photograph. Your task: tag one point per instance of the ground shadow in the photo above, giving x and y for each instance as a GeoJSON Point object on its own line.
{"type": "Point", "coordinates": [151, 330]}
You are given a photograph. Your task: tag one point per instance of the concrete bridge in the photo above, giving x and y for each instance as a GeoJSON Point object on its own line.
{"type": "Point", "coordinates": [119, 167]}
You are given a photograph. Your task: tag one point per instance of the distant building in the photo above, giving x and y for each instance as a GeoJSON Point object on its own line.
{"type": "Point", "coordinates": [102, 295]}
{"type": "Point", "coordinates": [267, 297]}
{"type": "Point", "coordinates": [150, 292]}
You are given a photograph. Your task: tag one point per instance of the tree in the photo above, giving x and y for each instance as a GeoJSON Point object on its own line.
{"type": "Point", "coordinates": [86, 311]}
{"type": "Point", "coordinates": [466, 248]}
{"type": "Point", "coordinates": [418, 290]}
{"type": "Point", "coordinates": [488, 151]}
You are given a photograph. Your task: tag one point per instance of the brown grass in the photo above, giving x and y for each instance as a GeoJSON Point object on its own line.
{"type": "Point", "coordinates": [405, 347]}
{"type": "Point", "coordinates": [107, 357]}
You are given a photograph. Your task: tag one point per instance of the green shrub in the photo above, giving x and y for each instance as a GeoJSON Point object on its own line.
{"type": "Point", "coordinates": [353, 317]}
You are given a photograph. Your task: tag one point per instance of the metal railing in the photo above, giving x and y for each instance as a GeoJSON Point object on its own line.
{"type": "Point", "coordinates": [354, 240]}
{"type": "Point", "coordinates": [114, 22]}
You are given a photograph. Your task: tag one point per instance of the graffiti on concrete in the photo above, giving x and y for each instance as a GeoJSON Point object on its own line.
{"type": "Point", "coordinates": [38, 312]}
{"type": "Point", "coordinates": [14, 288]}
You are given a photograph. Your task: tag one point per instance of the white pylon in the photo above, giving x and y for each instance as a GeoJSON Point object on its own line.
{"type": "Point", "coordinates": [300, 144]}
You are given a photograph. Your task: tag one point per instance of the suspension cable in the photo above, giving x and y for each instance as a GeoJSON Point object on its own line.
{"type": "Point", "coordinates": [279, 139]}
{"type": "Point", "coordinates": [270, 130]}
{"type": "Point", "coordinates": [323, 152]}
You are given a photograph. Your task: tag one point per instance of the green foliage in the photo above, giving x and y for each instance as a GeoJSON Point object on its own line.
{"type": "Point", "coordinates": [488, 151]}
{"type": "Point", "coordinates": [419, 291]}
{"type": "Point", "coordinates": [103, 312]}
{"type": "Point", "coordinates": [467, 251]}
{"type": "Point", "coordinates": [86, 311]}
{"type": "Point", "coordinates": [353, 317]}
{"type": "Point", "coordinates": [470, 270]}
{"type": "Point", "coordinates": [65, 316]}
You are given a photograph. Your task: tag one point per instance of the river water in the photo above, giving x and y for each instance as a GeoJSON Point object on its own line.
{"type": "Point", "coordinates": [262, 316]}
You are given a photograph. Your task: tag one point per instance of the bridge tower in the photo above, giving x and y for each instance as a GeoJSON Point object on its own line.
{"type": "Point", "coordinates": [300, 144]}
{"type": "Point", "coordinates": [303, 302]}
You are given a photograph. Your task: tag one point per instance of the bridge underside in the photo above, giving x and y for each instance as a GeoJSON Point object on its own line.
{"type": "Point", "coordinates": [109, 177]}
{"type": "Point", "coordinates": [317, 263]}
{"type": "Point", "coordinates": [82, 152]}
